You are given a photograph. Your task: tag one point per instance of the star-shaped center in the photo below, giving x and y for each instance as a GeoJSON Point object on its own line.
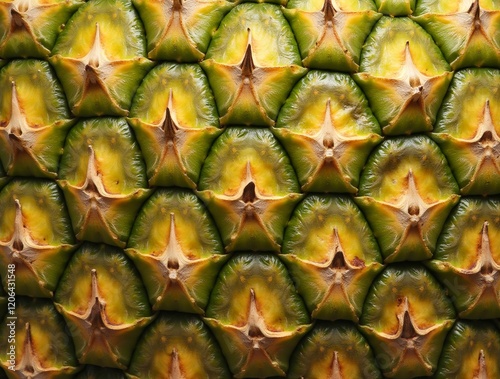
{"type": "Point", "coordinates": [484, 146]}
{"type": "Point", "coordinates": [249, 210]}
{"type": "Point", "coordinates": [246, 75]}
{"type": "Point", "coordinates": [248, 196]}
{"type": "Point", "coordinates": [23, 249]}
{"type": "Point", "coordinates": [172, 138]}
{"type": "Point", "coordinates": [410, 74]}
{"type": "Point", "coordinates": [258, 340]}
{"type": "Point", "coordinates": [94, 64]}
{"type": "Point", "coordinates": [95, 317]}
{"type": "Point", "coordinates": [92, 82]}
{"type": "Point", "coordinates": [410, 341]}
{"type": "Point", "coordinates": [18, 125]}
{"type": "Point", "coordinates": [484, 276]}
{"type": "Point", "coordinates": [337, 271]}
{"type": "Point", "coordinates": [334, 277]}
{"type": "Point", "coordinates": [22, 142]}
{"type": "Point", "coordinates": [330, 39]}
{"type": "Point", "coordinates": [329, 138]}
{"type": "Point", "coordinates": [18, 13]}
{"type": "Point", "coordinates": [176, 275]}
{"type": "Point", "coordinates": [20, 138]}
{"type": "Point", "coordinates": [330, 146]}
{"type": "Point", "coordinates": [175, 33]}
{"type": "Point", "coordinates": [487, 135]}
{"type": "Point", "coordinates": [486, 267]}
{"type": "Point", "coordinates": [413, 93]}
{"type": "Point", "coordinates": [93, 201]}
{"type": "Point", "coordinates": [331, 10]}
{"type": "Point", "coordinates": [177, 269]}
{"type": "Point", "coordinates": [325, 153]}
{"type": "Point", "coordinates": [412, 203]}
{"type": "Point", "coordinates": [173, 258]}
{"type": "Point", "coordinates": [477, 23]}
{"type": "Point", "coordinates": [414, 217]}
{"type": "Point", "coordinates": [95, 329]}
{"type": "Point", "coordinates": [243, 95]}
{"type": "Point", "coordinates": [32, 21]}
{"type": "Point", "coordinates": [93, 189]}
{"type": "Point", "coordinates": [29, 364]}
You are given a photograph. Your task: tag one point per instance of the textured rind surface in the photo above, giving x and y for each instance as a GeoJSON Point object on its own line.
{"type": "Point", "coordinates": [42, 345]}
{"type": "Point", "coordinates": [468, 129]}
{"type": "Point", "coordinates": [404, 76]}
{"type": "Point", "coordinates": [257, 332]}
{"type": "Point", "coordinates": [330, 348]}
{"type": "Point", "coordinates": [331, 255]}
{"type": "Point", "coordinates": [404, 202]}
{"type": "Point", "coordinates": [261, 276]}
{"type": "Point", "coordinates": [411, 322]}
{"type": "Point", "coordinates": [102, 70]}
{"type": "Point", "coordinates": [105, 305]}
{"type": "Point", "coordinates": [331, 40]}
{"type": "Point", "coordinates": [466, 32]}
{"type": "Point", "coordinates": [178, 267]}
{"type": "Point", "coordinates": [181, 35]}
{"type": "Point", "coordinates": [466, 342]}
{"type": "Point", "coordinates": [34, 119]}
{"type": "Point", "coordinates": [467, 258]}
{"type": "Point", "coordinates": [175, 121]}
{"type": "Point", "coordinates": [35, 236]}
{"type": "Point", "coordinates": [328, 131]}
{"type": "Point", "coordinates": [103, 198]}
{"type": "Point", "coordinates": [41, 23]}
{"type": "Point", "coordinates": [185, 338]}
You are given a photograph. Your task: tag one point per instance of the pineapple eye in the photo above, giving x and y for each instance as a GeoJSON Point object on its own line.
{"type": "Point", "coordinates": [408, 328]}
{"type": "Point", "coordinates": [250, 188]}
{"type": "Point", "coordinates": [249, 195]}
{"type": "Point", "coordinates": [18, 245]}
{"type": "Point", "coordinates": [328, 141]}
{"type": "Point", "coordinates": [413, 210]}
{"type": "Point", "coordinates": [338, 261]}
{"type": "Point", "coordinates": [173, 265]}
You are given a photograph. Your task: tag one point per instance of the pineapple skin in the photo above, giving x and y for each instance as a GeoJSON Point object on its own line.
{"type": "Point", "coordinates": [217, 189]}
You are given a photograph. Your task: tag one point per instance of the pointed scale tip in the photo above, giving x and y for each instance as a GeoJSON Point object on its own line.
{"type": "Point", "coordinates": [247, 64]}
